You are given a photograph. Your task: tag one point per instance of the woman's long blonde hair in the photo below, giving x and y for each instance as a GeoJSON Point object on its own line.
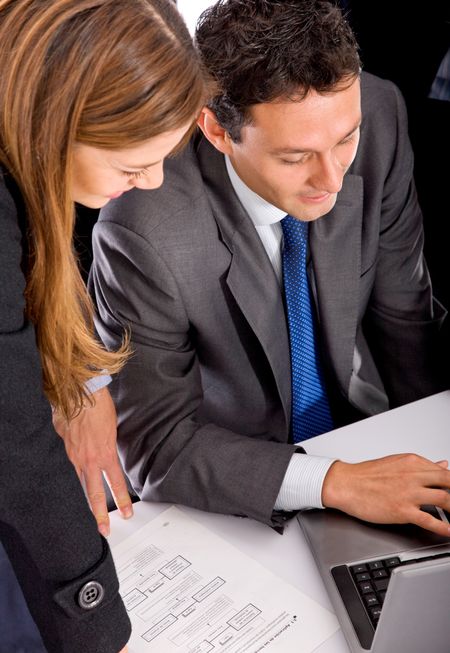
{"type": "Point", "coordinates": [106, 73]}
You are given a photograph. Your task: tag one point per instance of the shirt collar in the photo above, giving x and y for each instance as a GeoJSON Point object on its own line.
{"type": "Point", "coordinates": [260, 211]}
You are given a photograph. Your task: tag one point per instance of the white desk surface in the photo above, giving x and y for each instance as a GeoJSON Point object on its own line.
{"type": "Point", "coordinates": [422, 427]}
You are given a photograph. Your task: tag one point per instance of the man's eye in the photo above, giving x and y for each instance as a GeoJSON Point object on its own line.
{"type": "Point", "coordinates": [292, 163]}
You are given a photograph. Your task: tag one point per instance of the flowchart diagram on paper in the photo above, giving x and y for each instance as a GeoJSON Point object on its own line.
{"type": "Point", "coordinates": [189, 591]}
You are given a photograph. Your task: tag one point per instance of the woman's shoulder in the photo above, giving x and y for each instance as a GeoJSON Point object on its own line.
{"type": "Point", "coordinates": [12, 209]}
{"type": "Point", "coordinates": [12, 282]}
{"type": "Point", "coordinates": [11, 202]}
{"type": "Point", "coordinates": [12, 212]}
{"type": "Point", "coordinates": [6, 198]}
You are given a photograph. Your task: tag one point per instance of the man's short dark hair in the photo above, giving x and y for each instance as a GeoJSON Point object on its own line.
{"type": "Point", "coordinates": [260, 50]}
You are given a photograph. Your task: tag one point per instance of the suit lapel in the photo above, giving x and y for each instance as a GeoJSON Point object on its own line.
{"type": "Point", "coordinates": [335, 244]}
{"type": "Point", "coordinates": [251, 278]}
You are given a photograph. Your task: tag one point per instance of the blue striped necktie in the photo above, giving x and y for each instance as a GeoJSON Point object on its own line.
{"type": "Point", "coordinates": [310, 410]}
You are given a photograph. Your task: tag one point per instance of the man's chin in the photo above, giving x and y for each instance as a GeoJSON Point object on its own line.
{"type": "Point", "coordinates": [308, 213]}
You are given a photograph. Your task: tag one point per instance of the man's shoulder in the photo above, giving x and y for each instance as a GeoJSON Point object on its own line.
{"type": "Point", "coordinates": [384, 119]}
{"type": "Point", "coordinates": [180, 199]}
{"type": "Point", "coordinates": [384, 133]}
{"type": "Point", "coordinates": [373, 83]}
{"type": "Point", "coordinates": [378, 96]}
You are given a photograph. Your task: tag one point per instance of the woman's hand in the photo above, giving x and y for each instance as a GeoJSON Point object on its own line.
{"type": "Point", "coordinates": [90, 441]}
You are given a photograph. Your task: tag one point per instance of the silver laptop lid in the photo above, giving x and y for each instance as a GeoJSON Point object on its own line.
{"type": "Point", "coordinates": [416, 613]}
{"type": "Point", "coordinates": [337, 541]}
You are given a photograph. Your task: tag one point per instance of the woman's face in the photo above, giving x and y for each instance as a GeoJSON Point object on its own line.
{"type": "Point", "coordinates": [101, 175]}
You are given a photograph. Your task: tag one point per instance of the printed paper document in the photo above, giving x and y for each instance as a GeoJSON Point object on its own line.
{"type": "Point", "coordinates": [187, 590]}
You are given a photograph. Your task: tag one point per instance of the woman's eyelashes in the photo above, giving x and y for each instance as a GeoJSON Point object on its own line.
{"type": "Point", "coordinates": [135, 175]}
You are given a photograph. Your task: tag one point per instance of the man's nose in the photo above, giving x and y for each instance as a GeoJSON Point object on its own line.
{"type": "Point", "coordinates": [328, 174]}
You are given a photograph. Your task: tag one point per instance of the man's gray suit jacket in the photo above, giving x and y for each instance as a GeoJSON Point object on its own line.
{"type": "Point", "coordinates": [204, 402]}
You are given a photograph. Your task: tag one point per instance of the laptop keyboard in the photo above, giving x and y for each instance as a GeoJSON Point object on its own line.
{"type": "Point", "coordinates": [363, 589]}
{"type": "Point", "coordinates": [371, 580]}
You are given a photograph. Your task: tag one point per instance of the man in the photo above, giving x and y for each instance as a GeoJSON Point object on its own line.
{"type": "Point", "coordinates": [207, 412]}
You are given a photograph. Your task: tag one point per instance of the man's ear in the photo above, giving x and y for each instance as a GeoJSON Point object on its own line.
{"type": "Point", "coordinates": [215, 134]}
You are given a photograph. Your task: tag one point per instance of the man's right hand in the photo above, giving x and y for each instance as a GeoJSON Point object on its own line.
{"type": "Point", "coordinates": [390, 490]}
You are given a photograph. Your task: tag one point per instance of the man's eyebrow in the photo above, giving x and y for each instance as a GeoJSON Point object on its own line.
{"type": "Point", "coordinates": [296, 150]}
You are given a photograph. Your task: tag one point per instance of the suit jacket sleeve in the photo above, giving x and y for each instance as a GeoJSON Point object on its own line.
{"type": "Point", "coordinates": [403, 319]}
{"type": "Point", "coordinates": [168, 450]}
{"type": "Point", "coordinates": [45, 524]}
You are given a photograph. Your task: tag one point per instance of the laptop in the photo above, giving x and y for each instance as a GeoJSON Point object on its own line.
{"type": "Point", "coordinates": [389, 585]}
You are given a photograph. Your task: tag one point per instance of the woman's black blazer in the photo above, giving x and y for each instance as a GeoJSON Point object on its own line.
{"type": "Point", "coordinates": [45, 524]}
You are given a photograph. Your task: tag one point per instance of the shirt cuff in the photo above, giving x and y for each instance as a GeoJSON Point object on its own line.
{"type": "Point", "coordinates": [302, 484]}
{"type": "Point", "coordinates": [97, 383]}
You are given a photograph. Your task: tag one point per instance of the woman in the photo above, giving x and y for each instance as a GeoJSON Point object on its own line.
{"type": "Point", "coordinates": [93, 95]}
